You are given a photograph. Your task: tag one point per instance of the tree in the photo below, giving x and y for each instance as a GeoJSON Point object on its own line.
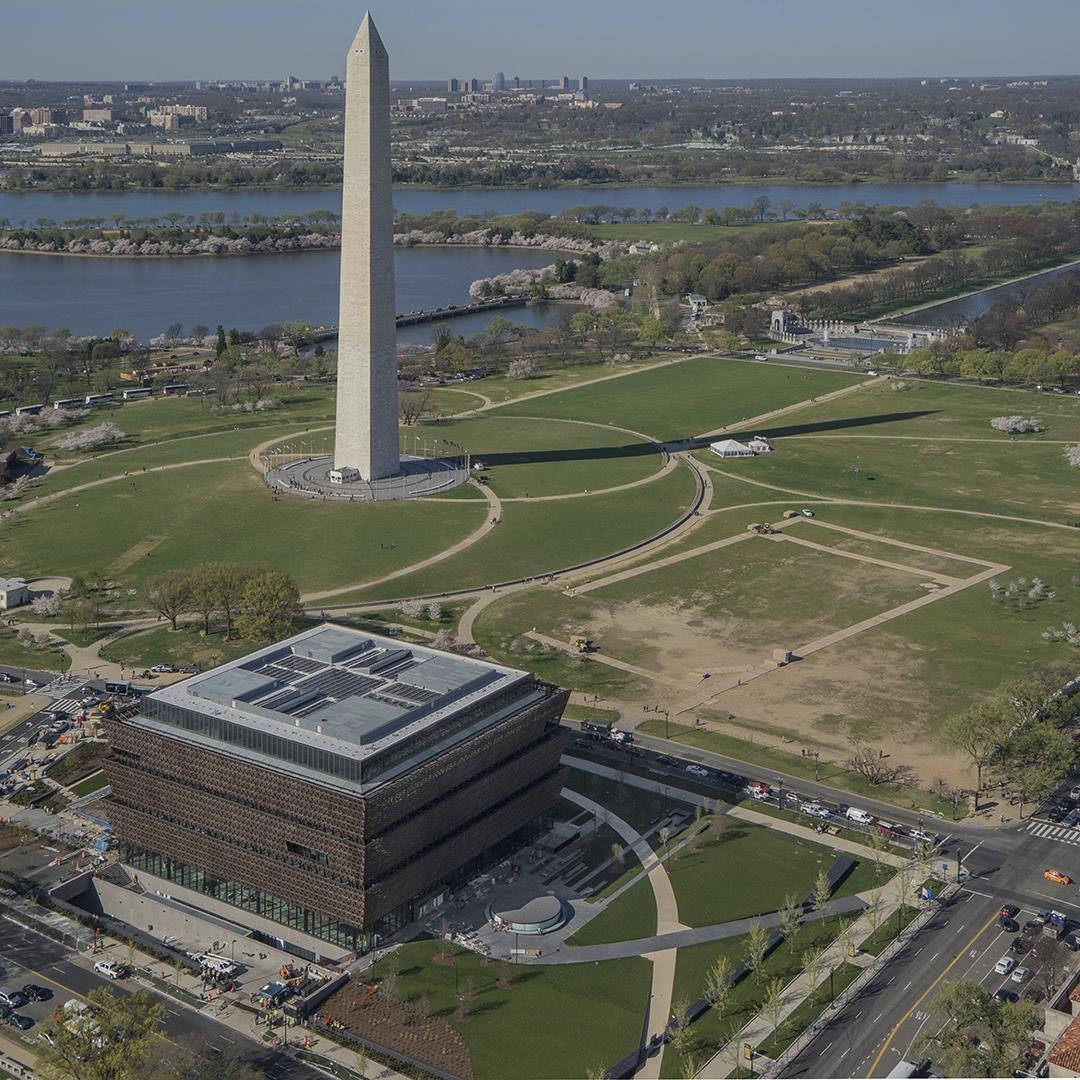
{"type": "Point", "coordinates": [1001, 1032]}
{"type": "Point", "coordinates": [170, 595]}
{"type": "Point", "coordinates": [204, 594]}
{"type": "Point", "coordinates": [822, 889]}
{"type": "Point", "coordinates": [790, 919]}
{"type": "Point", "coordinates": [126, 1026]}
{"type": "Point", "coordinates": [757, 942]}
{"type": "Point", "coordinates": [270, 606]}
{"type": "Point", "coordinates": [222, 344]}
{"type": "Point", "coordinates": [230, 581]}
{"type": "Point", "coordinates": [412, 405]}
{"type": "Point", "coordinates": [977, 732]}
{"type": "Point", "coordinates": [445, 640]}
{"type": "Point", "coordinates": [773, 1005]}
{"type": "Point", "coordinates": [718, 986]}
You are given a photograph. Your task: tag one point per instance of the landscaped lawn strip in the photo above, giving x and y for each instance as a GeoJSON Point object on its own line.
{"type": "Point", "coordinates": [559, 1020]}
{"type": "Point", "coordinates": [807, 1011]}
{"type": "Point", "coordinates": [694, 962]}
{"type": "Point", "coordinates": [16, 655]}
{"type": "Point", "coordinates": [889, 930]}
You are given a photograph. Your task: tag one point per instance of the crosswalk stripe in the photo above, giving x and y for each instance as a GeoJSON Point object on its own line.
{"type": "Point", "coordinates": [1038, 829]}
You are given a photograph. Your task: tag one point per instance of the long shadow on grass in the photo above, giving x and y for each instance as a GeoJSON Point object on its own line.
{"type": "Point", "coordinates": [838, 424]}
{"type": "Point", "coordinates": [583, 453]}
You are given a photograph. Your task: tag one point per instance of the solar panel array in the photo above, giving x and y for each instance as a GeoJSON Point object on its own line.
{"type": "Point", "coordinates": [337, 683]}
{"type": "Point", "coordinates": [410, 693]}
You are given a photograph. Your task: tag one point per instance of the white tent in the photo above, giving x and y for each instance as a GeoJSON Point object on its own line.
{"type": "Point", "coordinates": [730, 448]}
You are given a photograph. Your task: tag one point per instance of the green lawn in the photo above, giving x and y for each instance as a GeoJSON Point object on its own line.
{"type": "Point", "coordinates": [90, 784]}
{"type": "Point", "coordinates": [748, 871]}
{"type": "Point", "coordinates": [549, 457]}
{"type": "Point", "coordinates": [803, 1016]}
{"type": "Point", "coordinates": [693, 964]}
{"type": "Point", "coordinates": [14, 654]}
{"type": "Point", "coordinates": [179, 519]}
{"type": "Point", "coordinates": [936, 409]}
{"type": "Point", "coordinates": [632, 915]}
{"type": "Point", "coordinates": [1029, 479]}
{"type": "Point", "coordinates": [556, 376]}
{"type": "Point", "coordinates": [160, 645]}
{"type": "Point", "coordinates": [596, 1011]}
{"type": "Point", "coordinates": [661, 232]}
{"type": "Point", "coordinates": [535, 538]}
{"type": "Point", "coordinates": [85, 635]}
{"type": "Point", "coordinates": [698, 395]}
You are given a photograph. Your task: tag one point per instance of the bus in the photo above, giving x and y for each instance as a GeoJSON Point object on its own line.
{"type": "Point", "coordinates": [28, 410]}
{"type": "Point", "coordinates": [134, 395]}
{"type": "Point", "coordinates": [98, 399]}
{"type": "Point", "coordinates": [174, 389]}
{"type": "Point", "coordinates": [68, 403]}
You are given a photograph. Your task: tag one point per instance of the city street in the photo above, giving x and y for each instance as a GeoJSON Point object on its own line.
{"type": "Point", "coordinates": [31, 957]}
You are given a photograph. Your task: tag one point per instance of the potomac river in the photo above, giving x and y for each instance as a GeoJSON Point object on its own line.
{"type": "Point", "coordinates": [146, 295]}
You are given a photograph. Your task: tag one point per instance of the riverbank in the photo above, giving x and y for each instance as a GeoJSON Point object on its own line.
{"type": "Point", "coordinates": [564, 185]}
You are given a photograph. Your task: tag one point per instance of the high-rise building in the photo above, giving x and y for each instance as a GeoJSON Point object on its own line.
{"type": "Point", "coordinates": [366, 438]}
{"type": "Point", "coordinates": [517, 83]}
{"type": "Point", "coordinates": [500, 81]}
{"type": "Point", "coordinates": [7, 124]}
{"type": "Point", "coordinates": [564, 83]}
{"type": "Point", "coordinates": [452, 86]}
{"type": "Point", "coordinates": [332, 784]}
{"type": "Point", "coordinates": [583, 83]}
{"type": "Point", "coordinates": [474, 85]}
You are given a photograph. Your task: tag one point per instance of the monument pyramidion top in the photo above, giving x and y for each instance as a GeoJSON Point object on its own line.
{"type": "Point", "coordinates": [367, 40]}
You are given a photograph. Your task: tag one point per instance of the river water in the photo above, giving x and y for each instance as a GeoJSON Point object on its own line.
{"type": "Point", "coordinates": [91, 296]}
{"type": "Point", "coordinates": [58, 206]}
{"type": "Point", "coordinates": [956, 312]}
{"type": "Point", "coordinates": [95, 295]}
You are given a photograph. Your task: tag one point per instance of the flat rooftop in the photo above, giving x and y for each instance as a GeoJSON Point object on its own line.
{"type": "Point", "coordinates": [354, 694]}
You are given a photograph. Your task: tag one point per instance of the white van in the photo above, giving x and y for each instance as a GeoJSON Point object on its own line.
{"type": "Point", "coordinates": [863, 817]}
{"type": "Point", "coordinates": [219, 965]}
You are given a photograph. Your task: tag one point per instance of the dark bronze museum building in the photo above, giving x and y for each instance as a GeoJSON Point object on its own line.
{"type": "Point", "coordinates": [334, 783]}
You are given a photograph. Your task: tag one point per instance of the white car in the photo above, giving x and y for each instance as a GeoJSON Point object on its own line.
{"type": "Point", "coordinates": [1020, 974]}
{"type": "Point", "coordinates": [1004, 965]}
{"type": "Point", "coordinates": [162, 669]}
{"type": "Point", "coordinates": [815, 810]}
{"type": "Point", "coordinates": [109, 969]}
{"type": "Point", "coordinates": [925, 837]}
{"type": "Point", "coordinates": [807, 513]}
{"type": "Point", "coordinates": [697, 770]}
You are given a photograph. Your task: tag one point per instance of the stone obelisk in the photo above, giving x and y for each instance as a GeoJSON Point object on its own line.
{"type": "Point", "coordinates": [366, 439]}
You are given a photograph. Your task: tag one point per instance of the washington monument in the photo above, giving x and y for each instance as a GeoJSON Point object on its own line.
{"type": "Point", "coordinates": [366, 439]}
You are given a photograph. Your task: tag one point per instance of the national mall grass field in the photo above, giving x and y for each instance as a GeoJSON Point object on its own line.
{"type": "Point", "coordinates": [918, 503]}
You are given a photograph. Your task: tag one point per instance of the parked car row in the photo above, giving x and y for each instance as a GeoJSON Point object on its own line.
{"type": "Point", "coordinates": [597, 737]}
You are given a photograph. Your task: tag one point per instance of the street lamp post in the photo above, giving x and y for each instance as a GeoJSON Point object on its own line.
{"type": "Point", "coordinates": [780, 795]}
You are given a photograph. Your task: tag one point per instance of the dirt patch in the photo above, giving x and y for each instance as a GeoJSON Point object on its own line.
{"type": "Point", "coordinates": [399, 1026]}
{"type": "Point", "coordinates": [127, 559]}
{"type": "Point", "coordinates": [875, 695]}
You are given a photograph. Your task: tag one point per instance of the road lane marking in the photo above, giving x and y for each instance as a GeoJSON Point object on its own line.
{"type": "Point", "coordinates": [892, 1034]}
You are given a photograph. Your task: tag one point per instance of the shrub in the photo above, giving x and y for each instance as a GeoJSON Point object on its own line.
{"type": "Point", "coordinates": [1016, 425]}
{"type": "Point", "coordinates": [106, 434]}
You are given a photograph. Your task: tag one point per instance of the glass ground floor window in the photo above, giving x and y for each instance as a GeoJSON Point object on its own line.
{"type": "Point", "coordinates": [248, 898]}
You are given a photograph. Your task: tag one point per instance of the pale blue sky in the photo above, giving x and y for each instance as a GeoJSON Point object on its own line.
{"type": "Point", "coordinates": [190, 39]}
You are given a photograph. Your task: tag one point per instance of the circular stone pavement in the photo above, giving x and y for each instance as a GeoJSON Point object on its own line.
{"type": "Point", "coordinates": [419, 477]}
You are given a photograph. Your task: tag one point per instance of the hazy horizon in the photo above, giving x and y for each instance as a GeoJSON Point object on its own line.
{"type": "Point", "coordinates": [116, 41]}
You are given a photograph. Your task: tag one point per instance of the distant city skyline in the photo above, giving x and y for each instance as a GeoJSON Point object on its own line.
{"type": "Point", "coordinates": [120, 40]}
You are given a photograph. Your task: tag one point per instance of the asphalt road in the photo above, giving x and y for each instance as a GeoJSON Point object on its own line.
{"type": "Point", "coordinates": [30, 957]}
{"type": "Point", "coordinates": [962, 942]}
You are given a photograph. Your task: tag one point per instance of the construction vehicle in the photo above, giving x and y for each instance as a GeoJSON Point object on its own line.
{"type": "Point", "coordinates": [582, 643]}
{"type": "Point", "coordinates": [761, 530]}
